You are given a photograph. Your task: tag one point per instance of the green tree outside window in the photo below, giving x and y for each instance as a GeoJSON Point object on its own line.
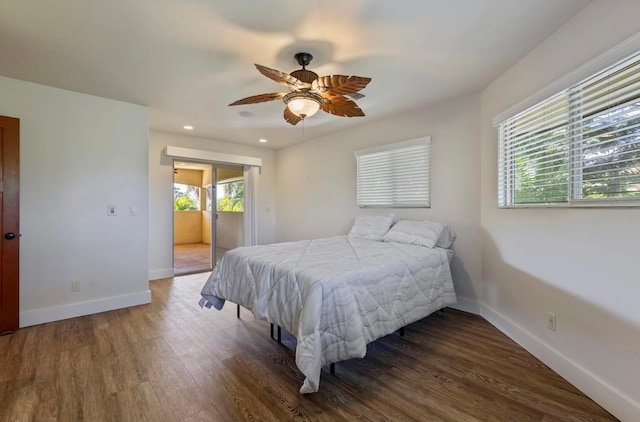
{"type": "Point", "coordinates": [186, 197]}
{"type": "Point", "coordinates": [230, 196]}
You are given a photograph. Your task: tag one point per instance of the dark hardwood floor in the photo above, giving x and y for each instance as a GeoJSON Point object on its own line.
{"type": "Point", "coordinates": [172, 361]}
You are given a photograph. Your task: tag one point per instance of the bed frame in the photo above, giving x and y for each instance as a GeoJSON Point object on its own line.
{"type": "Point", "coordinates": [332, 366]}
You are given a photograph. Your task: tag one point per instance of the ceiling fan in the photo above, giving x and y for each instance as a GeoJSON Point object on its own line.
{"type": "Point", "coordinates": [310, 92]}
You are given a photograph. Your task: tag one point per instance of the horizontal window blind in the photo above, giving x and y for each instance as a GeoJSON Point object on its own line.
{"type": "Point", "coordinates": [395, 175]}
{"type": "Point", "coordinates": [580, 145]}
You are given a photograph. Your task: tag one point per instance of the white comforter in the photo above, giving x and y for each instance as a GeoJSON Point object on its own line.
{"type": "Point", "coordinates": [334, 294]}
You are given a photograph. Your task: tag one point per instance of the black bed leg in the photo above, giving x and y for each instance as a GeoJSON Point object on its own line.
{"type": "Point", "coordinates": [279, 339]}
{"type": "Point", "coordinates": [238, 312]}
{"type": "Point", "coordinates": [401, 331]}
{"type": "Point", "coordinates": [332, 369]}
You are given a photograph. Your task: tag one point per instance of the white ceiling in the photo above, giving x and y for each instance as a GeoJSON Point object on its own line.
{"type": "Point", "coordinates": [188, 59]}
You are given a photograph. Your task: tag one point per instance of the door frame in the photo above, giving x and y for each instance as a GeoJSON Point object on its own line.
{"type": "Point", "coordinates": [212, 212]}
{"type": "Point", "coordinates": [251, 166]}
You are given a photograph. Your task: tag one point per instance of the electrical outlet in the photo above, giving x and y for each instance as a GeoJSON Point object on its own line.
{"type": "Point", "coordinates": [551, 321]}
{"type": "Point", "coordinates": [75, 286]}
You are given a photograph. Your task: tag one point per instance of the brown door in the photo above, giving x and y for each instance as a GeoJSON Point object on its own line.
{"type": "Point", "coordinates": [9, 224]}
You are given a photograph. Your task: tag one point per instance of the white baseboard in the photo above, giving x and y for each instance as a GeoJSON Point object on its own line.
{"type": "Point", "coordinates": [467, 305]}
{"type": "Point", "coordinates": [616, 402]}
{"type": "Point", "coordinates": [163, 273]}
{"type": "Point", "coordinates": [72, 310]}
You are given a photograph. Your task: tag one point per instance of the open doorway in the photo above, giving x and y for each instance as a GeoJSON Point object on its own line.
{"type": "Point", "coordinates": [208, 214]}
{"type": "Point", "coordinates": [192, 231]}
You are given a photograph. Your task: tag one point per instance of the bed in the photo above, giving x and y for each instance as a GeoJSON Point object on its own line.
{"type": "Point", "coordinates": [337, 294]}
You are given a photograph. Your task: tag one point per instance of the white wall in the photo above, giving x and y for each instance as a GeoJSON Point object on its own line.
{"type": "Point", "coordinates": [581, 264]}
{"type": "Point", "coordinates": [79, 153]}
{"type": "Point", "coordinates": [316, 181]}
{"type": "Point", "coordinates": [161, 194]}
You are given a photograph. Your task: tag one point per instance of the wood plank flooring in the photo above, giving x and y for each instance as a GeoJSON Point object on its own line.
{"type": "Point", "coordinates": [172, 361]}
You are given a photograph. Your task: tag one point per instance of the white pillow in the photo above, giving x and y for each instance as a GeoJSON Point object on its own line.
{"type": "Point", "coordinates": [421, 233]}
{"type": "Point", "coordinates": [446, 238]}
{"type": "Point", "coordinates": [372, 226]}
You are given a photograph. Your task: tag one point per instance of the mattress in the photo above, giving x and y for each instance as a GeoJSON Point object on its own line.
{"type": "Point", "coordinates": [335, 294]}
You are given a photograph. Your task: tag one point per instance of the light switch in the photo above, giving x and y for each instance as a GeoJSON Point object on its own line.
{"type": "Point", "coordinates": [133, 210]}
{"type": "Point", "coordinates": [111, 210]}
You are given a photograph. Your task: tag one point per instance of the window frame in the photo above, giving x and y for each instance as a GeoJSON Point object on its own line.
{"type": "Point", "coordinates": [391, 157]}
{"type": "Point", "coordinates": [575, 81]}
{"type": "Point", "coordinates": [226, 182]}
{"type": "Point", "coordinates": [198, 201]}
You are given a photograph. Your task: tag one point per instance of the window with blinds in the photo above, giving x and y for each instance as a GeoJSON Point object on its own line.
{"type": "Point", "coordinates": [394, 176]}
{"type": "Point", "coordinates": [578, 147]}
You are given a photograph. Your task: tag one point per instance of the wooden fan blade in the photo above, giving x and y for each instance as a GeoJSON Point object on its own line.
{"type": "Point", "coordinates": [341, 106]}
{"type": "Point", "coordinates": [282, 78]}
{"type": "Point", "coordinates": [339, 84]}
{"type": "Point", "coordinates": [259, 98]}
{"type": "Point", "coordinates": [290, 117]}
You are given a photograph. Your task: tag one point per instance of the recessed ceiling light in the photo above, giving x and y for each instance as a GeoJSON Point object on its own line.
{"type": "Point", "coordinates": [262, 141]}
{"type": "Point", "coordinates": [187, 127]}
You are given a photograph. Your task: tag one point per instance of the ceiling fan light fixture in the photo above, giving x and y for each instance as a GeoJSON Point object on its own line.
{"type": "Point", "coordinates": [303, 103]}
{"type": "Point", "coordinates": [334, 94]}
